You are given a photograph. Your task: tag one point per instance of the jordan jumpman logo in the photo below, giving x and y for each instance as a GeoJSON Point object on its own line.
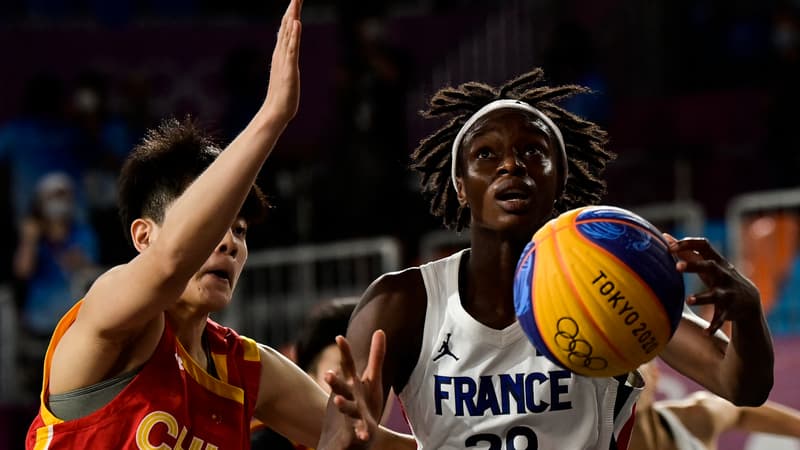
{"type": "Point", "coordinates": [445, 349]}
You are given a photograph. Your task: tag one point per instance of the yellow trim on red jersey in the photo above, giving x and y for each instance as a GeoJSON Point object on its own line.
{"type": "Point", "coordinates": [61, 328]}
{"type": "Point", "coordinates": [251, 352]}
{"type": "Point", "coordinates": [207, 381]}
{"type": "Point", "coordinates": [221, 364]}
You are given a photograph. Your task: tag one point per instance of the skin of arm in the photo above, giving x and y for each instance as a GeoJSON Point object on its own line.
{"type": "Point", "coordinates": [395, 305]}
{"type": "Point", "coordinates": [122, 316]}
{"type": "Point", "coordinates": [707, 416]}
{"type": "Point", "coordinates": [740, 370]}
{"type": "Point", "coordinates": [284, 387]}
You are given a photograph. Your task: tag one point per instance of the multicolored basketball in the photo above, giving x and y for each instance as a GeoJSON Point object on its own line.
{"type": "Point", "coordinates": [597, 292]}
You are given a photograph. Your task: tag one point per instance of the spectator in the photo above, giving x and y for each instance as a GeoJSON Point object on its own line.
{"type": "Point", "coordinates": [55, 260]}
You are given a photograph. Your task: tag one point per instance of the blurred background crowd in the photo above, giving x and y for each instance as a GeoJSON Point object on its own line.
{"type": "Point", "coordinates": [700, 99]}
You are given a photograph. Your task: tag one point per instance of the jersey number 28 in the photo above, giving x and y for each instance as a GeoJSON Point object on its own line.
{"type": "Point", "coordinates": [496, 442]}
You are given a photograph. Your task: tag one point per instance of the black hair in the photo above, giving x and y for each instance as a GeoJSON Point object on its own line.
{"type": "Point", "coordinates": [158, 170]}
{"type": "Point", "coordinates": [326, 320]}
{"type": "Point", "coordinates": [584, 140]}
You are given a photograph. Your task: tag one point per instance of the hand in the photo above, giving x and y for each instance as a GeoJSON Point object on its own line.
{"type": "Point", "coordinates": [733, 295]}
{"type": "Point", "coordinates": [359, 400]}
{"type": "Point", "coordinates": [30, 230]}
{"type": "Point", "coordinates": [283, 93]}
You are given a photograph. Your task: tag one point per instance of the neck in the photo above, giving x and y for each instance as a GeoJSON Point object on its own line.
{"type": "Point", "coordinates": [487, 280]}
{"type": "Point", "coordinates": [188, 325]}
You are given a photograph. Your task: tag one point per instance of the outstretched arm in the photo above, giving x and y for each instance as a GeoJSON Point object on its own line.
{"type": "Point", "coordinates": [708, 416]}
{"type": "Point", "coordinates": [359, 400]}
{"type": "Point", "coordinates": [122, 312]}
{"type": "Point", "coordinates": [740, 370]}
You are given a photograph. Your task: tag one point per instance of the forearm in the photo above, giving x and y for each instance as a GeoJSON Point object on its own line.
{"type": "Point", "coordinates": [770, 418]}
{"type": "Point", "coordinates": [201, 216]}
{"type": "Point", "coordinates": [289, 400]}
{"type": "Point", "coordinates": [391, 440]}
{"type": "Point", "coordinates": [749, 362]}
{"type": "Point", "coordinates": [25, 259]}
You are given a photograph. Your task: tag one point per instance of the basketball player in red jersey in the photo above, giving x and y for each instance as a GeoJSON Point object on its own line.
{"type": "Point", "coordinates": [508, 160]}
{"type": "Point", "coordinates": [137, 363]}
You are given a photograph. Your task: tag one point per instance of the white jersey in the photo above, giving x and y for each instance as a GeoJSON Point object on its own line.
{"type": "Point", "coordinates": [478, 387]}
{"type": "Point", "coordinates": [683, 439]}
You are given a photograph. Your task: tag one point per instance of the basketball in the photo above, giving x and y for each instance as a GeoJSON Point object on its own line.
{"type": "Point", "coordinates": [596, 291]}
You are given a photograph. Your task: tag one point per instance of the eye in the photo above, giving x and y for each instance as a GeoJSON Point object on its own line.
{"type": "Point", "coordinates": [239, 229]}
{"type": "Point", "coordinates": [531, 150]}
{"type": "Point", "coordinates": [483, 153]}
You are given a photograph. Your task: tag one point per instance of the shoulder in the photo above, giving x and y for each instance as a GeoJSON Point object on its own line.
{"type": "Point", "coordinates": [395, 303]}
{"type": "Point", "coordinates": [227, 340]}
{"type": "Point", "coordinates": [402, 292]}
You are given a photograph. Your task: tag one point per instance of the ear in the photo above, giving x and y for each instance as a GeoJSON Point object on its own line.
{"type": "Point", "coordinates": [142, 233]}
{"type": "Point", "coordinates": [461, 194]}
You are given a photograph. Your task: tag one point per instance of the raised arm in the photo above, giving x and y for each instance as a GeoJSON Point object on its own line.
{"type": "Point", "coordinates": [740, 370]}
{"type": "Point", "coordinates": [123, 309]}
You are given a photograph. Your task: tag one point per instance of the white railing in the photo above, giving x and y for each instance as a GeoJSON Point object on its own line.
{"type": "Point", "coordinates": [764, 239]}
{"type": "Point", "coordinates": [279, 286]}
{"type": "Point", "coordinates": [752, 203]}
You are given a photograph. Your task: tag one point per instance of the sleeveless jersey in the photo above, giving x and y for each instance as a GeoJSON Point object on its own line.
{"type": "Point", "coordinates": [683, 439]}
{"type": "Point", "coordinates": [172, 403]}
{"type": "Point", "coordinates": [474, 386]}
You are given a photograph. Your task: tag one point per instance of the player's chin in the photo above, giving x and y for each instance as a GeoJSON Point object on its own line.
{"type": "Point", "coordinates": [520, 226]}
{"type": "Point", "coordinates": [216, 299]}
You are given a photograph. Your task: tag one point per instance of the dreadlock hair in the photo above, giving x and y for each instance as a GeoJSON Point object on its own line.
{"type": "Point", "coordinates": [584, 140]}
{"type": "Point", "coordinates": [158, 170]}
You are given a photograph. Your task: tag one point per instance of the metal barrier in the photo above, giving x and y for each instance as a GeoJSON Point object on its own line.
{"type": "Point", "coordinates": [279, 286]}
{"type": "Point", "coordinates": [763, 238]}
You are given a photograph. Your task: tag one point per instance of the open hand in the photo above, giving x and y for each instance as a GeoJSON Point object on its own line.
{"type": "Point", "coordinates": [283, 94]}
{"type": "Point", "coordinates": [733, 295]}
{"type": "Point", "coordinates": [358, 399]}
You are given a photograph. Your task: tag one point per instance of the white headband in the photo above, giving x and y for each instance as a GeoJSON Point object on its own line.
{"type": "Point", "coordinates": [547, 127]}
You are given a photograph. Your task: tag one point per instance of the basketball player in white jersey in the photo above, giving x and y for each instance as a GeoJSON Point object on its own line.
{"type": "Point", "coordinates": [508, 160]}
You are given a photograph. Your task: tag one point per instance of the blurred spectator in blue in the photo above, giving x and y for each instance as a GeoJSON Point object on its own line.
{"type": "Point", "coordinates": [39, 141]}
{"type": "Point", "coordinates": [56, 259]}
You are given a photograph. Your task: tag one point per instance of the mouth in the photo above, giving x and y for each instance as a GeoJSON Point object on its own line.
{"type": "Point", "coordinates": [514, 199]}
{"type": "Point", "coordinates": [220, 275]}
{"type": "Point", "coordinates": [513, 194]}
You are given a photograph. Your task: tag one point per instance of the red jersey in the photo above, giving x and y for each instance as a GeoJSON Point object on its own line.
{"type": "Point", "coordinates": [172, 403]}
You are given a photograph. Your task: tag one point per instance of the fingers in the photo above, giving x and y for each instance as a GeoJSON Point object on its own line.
{"type": "Point", "coordinates": [720, 316]}
{"type": "Point", "coordinates": [289, 31]}
{"type": "Point", "coordinates": [706, 298]}
{"type": "Point", "coordinates": [348, 364]}
{"type": "Point", "coordinates": [293, 46]}
{"type": "Point", "coordinates": [293, 10]}
{"type": "Point", "coordinates": [338, 385]}
{"type": "Point", "coordinates": [377, 352]}
{"type": "Point", "coordinates": [344, 400]}
{"type": "Point", "coordinates": [693, 248]}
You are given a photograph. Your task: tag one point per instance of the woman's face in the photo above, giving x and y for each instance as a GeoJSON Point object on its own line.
{"type": "Point", "coordinates": [511, 172]}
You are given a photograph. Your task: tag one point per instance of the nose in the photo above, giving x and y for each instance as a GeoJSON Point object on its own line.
{"type": "Point", "coordinates": [511, 163]}
{"type": "Point", "coordinates": [228, 244]}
